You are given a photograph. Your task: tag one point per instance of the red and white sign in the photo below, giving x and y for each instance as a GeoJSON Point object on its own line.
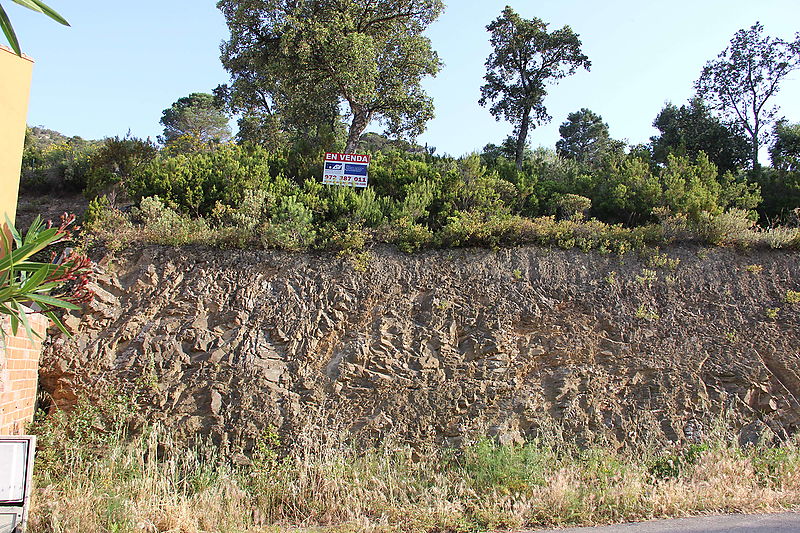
{"type": "Point", "coordinates": [350, 170]}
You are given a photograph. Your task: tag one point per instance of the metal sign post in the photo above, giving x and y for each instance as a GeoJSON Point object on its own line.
{"type": "Point", "coordinates": [350, 170]}
{"type": "Point", "coordinates": [16, 481]}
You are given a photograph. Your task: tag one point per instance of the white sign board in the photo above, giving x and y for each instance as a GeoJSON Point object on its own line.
{"type": "Point", "coordinates": [13, 470]}
{"type": "Point", "coordinates": [16, 479]}
{"type": "Point", "coordinates": [350, 170]}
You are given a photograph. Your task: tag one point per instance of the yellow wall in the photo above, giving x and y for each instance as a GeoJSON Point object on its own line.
{"type": "Point", "coordinates": [15, 83]}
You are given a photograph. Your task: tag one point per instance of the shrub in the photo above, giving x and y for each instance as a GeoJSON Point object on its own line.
{"type": "Point", "coordinates": [572, 206]}
{"type": "Point", "coordinates": [291, 226]}
{"type": "Point", "coordinates": [51, 285]}
{"type": "Point", "coordinates": [407, 235]}
{"type": "Point", "coordinates": [675, 464]}
{"type": "Point", "coordinates": [196, 183]}
{"type": "Point", "coordinates": [249, 214]}
{"type": "Point", "coordinates": [61, 167]}
{"type": "Point", "coordinates": [732, 227]}
{"type": "Point", "coordinates": [96, 209]}
{"type": "Point", "coordinates": [115, 163]}
{"type": "Point", "coordinates": [163, 225]}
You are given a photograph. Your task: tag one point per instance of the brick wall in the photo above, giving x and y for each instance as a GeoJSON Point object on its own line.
{"type": "Point", "coordinates": [19, 375]}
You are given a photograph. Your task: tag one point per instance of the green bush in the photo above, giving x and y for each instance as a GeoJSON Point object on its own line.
{"type": "Point", "coordinates": [114, 164]}
{"type": "Point", "coordinates": [195, 183]}
{"type": "Point", "coordinates": [291, 226]}
{"type": "Point", "coordinates": [163, 225]}
{"type": "Point", "coordinates": [675, 464]}
{"type": "Point", "coordinates": [95, 211]}
{"type": "Point", "coordinates": [417, 200]}
{"type": "Point", "coordinates": [61, 167]}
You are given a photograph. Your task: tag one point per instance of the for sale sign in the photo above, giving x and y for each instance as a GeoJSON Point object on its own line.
{"type": "Point", "coordinates": [346, 169]}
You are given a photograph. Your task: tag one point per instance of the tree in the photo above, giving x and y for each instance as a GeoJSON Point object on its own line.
{"type": "Point", "coordinates": [34, 5]}
{"type": "Point", "coordinates": [197, 116]}
{"type": "Point", "coordinates": [785, 151]}
{"type": "Point", "coordinates": [585, 138]}
{"type": "Point", "coordinates": [688, 130]}
{"type": "Point", "coordinates": [295, 62]}
{"type": "Point", "coordinates": [781, 184]}
{"type": "Point", "coordinates": [507, 149]}
{"type": "Point", "coordinates": [745, 76]}
{"type": "Point", "coordinates": [525, 59]}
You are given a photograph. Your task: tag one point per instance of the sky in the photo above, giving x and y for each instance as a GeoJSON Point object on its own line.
{"type": "Point", "coordinates": [120, 64]}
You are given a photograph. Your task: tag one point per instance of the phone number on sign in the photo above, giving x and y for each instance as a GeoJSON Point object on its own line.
{"type": "Point", "coordinates": [337, 178]}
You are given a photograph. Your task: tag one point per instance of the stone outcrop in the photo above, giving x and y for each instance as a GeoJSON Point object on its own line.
{"type": "Point", "coordinates": [442, 345]}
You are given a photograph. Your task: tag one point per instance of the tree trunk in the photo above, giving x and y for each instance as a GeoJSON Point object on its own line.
{"type": "Point", "coordinates": [522, 137]}
{"type": "Point", "coordinates": [754, 155]}
{"type": "Point", "coordinates": [361, 119]}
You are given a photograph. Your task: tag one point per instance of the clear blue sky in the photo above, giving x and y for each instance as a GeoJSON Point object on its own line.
{"type": "Point", "coordinates": [122, 63]}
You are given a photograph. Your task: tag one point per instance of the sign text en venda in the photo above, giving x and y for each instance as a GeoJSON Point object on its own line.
{"type": "Point", "coordinates": [346, 169]}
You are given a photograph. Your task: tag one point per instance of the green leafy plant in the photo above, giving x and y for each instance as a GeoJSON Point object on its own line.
{"type": "Point", "coordinates": [53, 285]}
{"type": "Point", "coordinates": [672, 465]}
{"type": "Point", "coordinates": [35, 5]}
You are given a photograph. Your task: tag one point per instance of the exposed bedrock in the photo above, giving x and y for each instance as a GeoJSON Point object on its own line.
{"type": "Point", "coordinates": [442, 345]}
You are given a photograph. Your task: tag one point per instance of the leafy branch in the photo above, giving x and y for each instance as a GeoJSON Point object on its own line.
{"type": "Point", "coordinates": [61, 284]}
{"type": "Point", "coordinates": [34, 5]}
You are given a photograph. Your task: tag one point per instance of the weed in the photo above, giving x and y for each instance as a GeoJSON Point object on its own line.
{"type": "Point", "coordinates": [646, 313]}
{"type": "Point", "coordinates": [674, 464]}
{"type": "Point", "coordinates": [91, 477]}
{"type": "Point", "coordinates": [443, 305]}
{"type": "Point", "coordinates": [772, 312]}
{"type": "Point", "coordinates": [647, 277]}
{"type": "Point", "coordinates": [516, 274]}
{"type": "Point", "coordinates": [754, 269]}
{"type": "Point", "coordinates": [611, 278]}
{"type": "Point", "coordinates": [792, 297]}
{"type": "Point", "coordinates": [361, 261]}
{"type": "Point", "coordinates": [662, 260]}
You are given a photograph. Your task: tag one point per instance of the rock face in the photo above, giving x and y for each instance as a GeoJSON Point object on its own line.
{"type": "Point", "coordinates": [443, 345]}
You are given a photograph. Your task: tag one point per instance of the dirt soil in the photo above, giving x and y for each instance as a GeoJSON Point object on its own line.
{"type": "Point", "coordinates": [444, 345]}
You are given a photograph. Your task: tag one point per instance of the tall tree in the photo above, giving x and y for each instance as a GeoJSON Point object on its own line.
{"type": "Point", "coordinates": [690, 129]}
{"type": "Point", "coordinates": [525, 59]}
{"type": "Point", "coordinates": [198, 116]}
{"type": "Point", "coordinates": [585, 138]}
{"type": "Point", "coordinates": [298, 60]}
{"type": "Point", "coordinates": [745, 76]}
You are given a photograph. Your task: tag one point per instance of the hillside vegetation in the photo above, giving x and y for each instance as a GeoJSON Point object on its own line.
{"type": "Point", "coordinates": [246, 195]}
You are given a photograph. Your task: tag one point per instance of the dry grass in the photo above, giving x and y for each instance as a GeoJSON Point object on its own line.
{"type": "Point", "coordinates": [92, 481]}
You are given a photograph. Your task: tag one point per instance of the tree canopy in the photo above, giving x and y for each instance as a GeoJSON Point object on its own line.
{"type": "Point", "coordinates": [525, 58]}
{"type": "Point", "coordinates": [293, 63]}
{"type": "Point", "coordinates": [740, 83]}
{"type": "Point", "coordinates": [785, 151]}
{"type": "Point", "coordinates": [690, 129]}
{"type": "Point", "coordinates": [196, 116]}
{"type": "Point", "coordinates": [585, 138]}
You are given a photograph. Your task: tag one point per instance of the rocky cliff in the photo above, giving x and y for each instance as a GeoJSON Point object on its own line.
{"type": "Point", "coordinates": [442, 345]}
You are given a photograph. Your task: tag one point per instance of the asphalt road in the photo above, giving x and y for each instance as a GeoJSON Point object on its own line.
{"type": "Point", "coordinates": [768, 523]}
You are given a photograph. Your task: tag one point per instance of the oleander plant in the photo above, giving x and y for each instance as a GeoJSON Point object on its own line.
{"type": "Point", "coordinates": [34, 5]}
{"type": "Point", "coordinates": [29, 284]}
